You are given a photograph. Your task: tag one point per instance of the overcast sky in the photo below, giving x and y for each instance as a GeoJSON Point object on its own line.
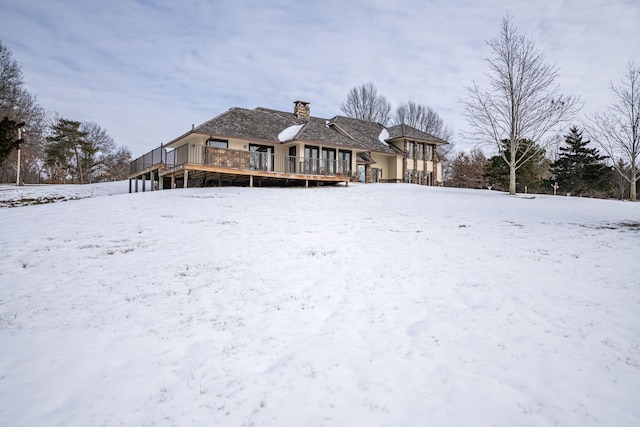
{"type": "Point", "coordinates": [147, 70]}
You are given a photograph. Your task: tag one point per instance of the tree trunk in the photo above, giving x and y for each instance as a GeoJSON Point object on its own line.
{"type": "Point", "coordinates": [512, 180]}
{"type": "Point", "coordinates": [79, 165]}
{"type": "Point", "coordinates": [633, 184]}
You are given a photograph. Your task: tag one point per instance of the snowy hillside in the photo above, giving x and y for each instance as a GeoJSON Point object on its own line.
{"type": "Point", "coordinates": [372, 305]}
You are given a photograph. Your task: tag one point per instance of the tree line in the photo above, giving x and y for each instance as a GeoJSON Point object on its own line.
{"type": "Point", "coordinates": [519, 117]}
{"type": "Point", "coordinates": [577, 168]}
{"type": "Point", "coordinates": [53, 149]}
{"type": "Point", "coordinates": [520, 111]}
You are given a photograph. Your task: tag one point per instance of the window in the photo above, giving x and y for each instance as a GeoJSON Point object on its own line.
{"type": "Point", "coordinates": [344, 162]}
{"type": "Point", "coordinates": [421, 177]}
{"type": "Point", "coordinates": [311, 159]}
{"type": "Point", "coordinates": [429, 178]}
{"type": "Point", "coordinates": [292, 159]}
{"type": "Point", "coordinates": [218, 143]}
{"type": "Point", "coordinates": [409, 149]}
{"type": "Point", "coordinates": [409, 175]}
{"type": "Point", "coordinates": [376, 174]}
{"type": "Point", "coordinates": [329, 161]}
{"type": "Point", "coordinates": [430, 152]}
{"type": "Point", "coordinates": [420, 152]}
{"type": "Point", "coordinates": [261, 157]}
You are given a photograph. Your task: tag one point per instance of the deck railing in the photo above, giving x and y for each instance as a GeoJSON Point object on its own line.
{"type": "Point", "coordinates": [152, 158]}
{"type": "Point", "coordinates": [240, 159]}
{"type": "Point", "coordinates": [270, 162]}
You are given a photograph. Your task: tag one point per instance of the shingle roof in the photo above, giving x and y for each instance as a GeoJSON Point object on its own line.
{"type": "Point", "coordinates": [406, 131]}
{"type": "Point", "coordinates": [251, 124]}
{"type": "Point", "coordinates": [364, 157]}
{"type": "Point", "coordinates": [367, 134]}
{"type": "Point", "coordinates": [266, 124]}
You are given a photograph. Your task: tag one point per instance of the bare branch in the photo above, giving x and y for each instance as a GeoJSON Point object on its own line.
{"type": "Point", "coordinates": [423, 118]}
{"type": "Point", "coordinates": [523, 101]}
{"type": "Point", "coordinates": [617, 131]}
{"type": "Point", "coordinates": [364, 103]}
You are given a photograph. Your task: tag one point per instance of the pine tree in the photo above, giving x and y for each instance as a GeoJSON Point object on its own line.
{"type": "Point", "coordinates": [530, 175]}
{"type": "Point", "coordinates": [581, 170]}
{"type": "Point", "coordinates": [66, 148]}
{"type": "Point", "coordinates": [8, 138]}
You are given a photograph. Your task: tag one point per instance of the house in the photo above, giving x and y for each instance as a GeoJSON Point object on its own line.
{"type": "Point", "coordinates": [263, 147]}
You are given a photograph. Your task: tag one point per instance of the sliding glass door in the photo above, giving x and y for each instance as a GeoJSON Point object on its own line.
{"type": "Point", "coordinates": [261, 157]}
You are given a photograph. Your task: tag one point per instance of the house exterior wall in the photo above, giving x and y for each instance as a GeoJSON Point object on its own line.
{"type": "Point", "coordinates": [412, 167]}
{"type": "Point", "coordinates": [382, 163]}
{"type": "Point", "coordinates": [280, 150]}
{"type": "Point", "coordinates": [428, 167]}
{"type": "Point", "coordinates": [237, 144]}
{"type": "Point", "coordinates": [395, 169]}
{"type": "Point", "coordinates": [391, 166]}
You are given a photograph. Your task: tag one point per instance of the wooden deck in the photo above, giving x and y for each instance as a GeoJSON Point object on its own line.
{"type": "Point", "coordinates": [198, 175]}
{"type": "Point", "coordinates": [209, 167]}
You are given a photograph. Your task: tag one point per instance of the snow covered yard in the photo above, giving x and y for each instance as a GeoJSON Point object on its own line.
{"type": "Point", "coordinates": [12, 196]}
{"type": "Point", "coordinates": [372, 305]}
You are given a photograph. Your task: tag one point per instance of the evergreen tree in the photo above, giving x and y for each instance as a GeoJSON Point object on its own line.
{"type": "Point", "coordinates": [581, 170]}
{"type": "Point", "coordinates": [530, 175]}
{"type": "Point", "coordinates": [67, 147]}
{"type": "Point", "coordinates": [8, 137]}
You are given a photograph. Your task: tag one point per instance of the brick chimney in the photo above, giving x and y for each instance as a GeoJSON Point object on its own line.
{"type": "Point", "coordinates": [301, 109]}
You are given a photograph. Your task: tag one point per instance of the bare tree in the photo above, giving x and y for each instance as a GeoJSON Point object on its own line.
{"type": "Point", "coordinates": [364, 103]}
{"type": "Point", "coordinates": [523, 102]}
{"type": "Point", "coordinates": [423, 118]}
{"type": "Point", "coordinates": [101, 146]}
{"type": "Point", "coordinates": [116, 165]}
{"type": "Point", "coordinates": [19, 105]}
{"type": "Point", "coordinates": [618, 130]}
{"type": "Point", "coordinates": [467, 169]}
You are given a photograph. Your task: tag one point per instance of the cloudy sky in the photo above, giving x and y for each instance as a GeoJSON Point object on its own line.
{"type": "Point", "coordinates": [146, 70]}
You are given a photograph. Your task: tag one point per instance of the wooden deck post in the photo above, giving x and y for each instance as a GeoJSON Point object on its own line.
{"type": "Point", "coordinates": [306, 183]}
{"type": "Point", "coordinates": [136, 183]}
{"type": "Point", "coordinates": [186, 178]}
{"type": "Point", "coordinates": [144, 183]}
{"type": "Point", "coordinates": [151, 174]}
{"type": "Point", "coordinates": [173, 180]}
{"type": "Point", "coordinates": [160, 182]}
{"type": "Point", "coordinates": [129, 185]}
{"type": "Point", "coordinates": [250, 180]}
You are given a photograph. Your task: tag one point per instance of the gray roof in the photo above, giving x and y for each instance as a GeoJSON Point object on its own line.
{"type": "Point", "coordinates": [263, 124]}
{"type": "Point", "coordinates": [406, 131]}
{"type": "Point", "coordinates": [243, 123]}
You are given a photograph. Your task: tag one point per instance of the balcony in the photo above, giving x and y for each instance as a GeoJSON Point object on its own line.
{"type": "Point", "coordinates": [204, 163]}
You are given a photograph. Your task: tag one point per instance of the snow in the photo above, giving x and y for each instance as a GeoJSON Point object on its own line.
{"type": "Point", "coordinates": [12, 196]}
{"type": "Point", "coordinates": [371, 305]}
{"type": "Point", "coordinates": [384, 135]}
{"type": "Point", "coordinates": [289, 133]}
